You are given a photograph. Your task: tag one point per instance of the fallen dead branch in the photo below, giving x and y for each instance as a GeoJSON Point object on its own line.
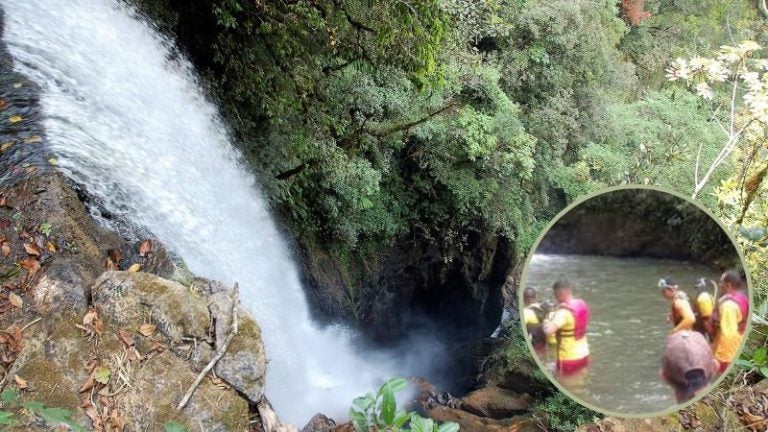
{"type": "Point", "coordinates": [219, 354]}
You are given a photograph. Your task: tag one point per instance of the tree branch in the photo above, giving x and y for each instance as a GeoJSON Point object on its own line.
{"type": "Point", "coordinates": [406, 126]}
{"type": "Point", "coordinates": [219, 354]}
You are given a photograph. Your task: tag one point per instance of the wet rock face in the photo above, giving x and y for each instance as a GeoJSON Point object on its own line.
{"type": "Point", "coordinates": [630, 223]}
{"type": "Point", "coordinates": [458, 291]}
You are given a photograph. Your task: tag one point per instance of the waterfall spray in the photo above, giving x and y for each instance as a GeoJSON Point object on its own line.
{"type": "Point", "coordinates": [128, 121]}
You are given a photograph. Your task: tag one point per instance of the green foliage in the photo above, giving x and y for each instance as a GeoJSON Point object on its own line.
{"type": "Point", "coordinates": [172, 426]}
{"type": "Point", "coordinates": [756, 360]}
{"type": "Point", "coordinates": [102, 374]}
{"type": "Point", "coordinates": [45, 228]}
{"type": "Point", "coordinates": [53, 416]}
{"type": "Point", "coordinates": [381, 413]}
{"type": "Point", "coordinates": [560, 413]}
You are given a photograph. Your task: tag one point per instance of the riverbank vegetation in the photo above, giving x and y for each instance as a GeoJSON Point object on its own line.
{"type": "Point", "coordinates": [434, 118]}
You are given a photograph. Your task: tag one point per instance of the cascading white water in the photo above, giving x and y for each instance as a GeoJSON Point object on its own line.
{"type": "Point", "coordinates": [132, 126]}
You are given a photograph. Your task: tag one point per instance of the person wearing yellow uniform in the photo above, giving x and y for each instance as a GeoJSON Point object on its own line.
{"type": "Point", "coordinates": [569, 324]}
{"type": "Point", "coordinates": [729, 319]}
{"type": "Point", "coordinates": [534, 314]}
{"type": "Point", "coordinates": [681, 314]}
{"type": "Point", "coordinates": [705, 304]}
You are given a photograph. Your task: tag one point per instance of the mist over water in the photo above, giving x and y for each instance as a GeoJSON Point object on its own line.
{"type": "Point", "coordinates": [127, 120]}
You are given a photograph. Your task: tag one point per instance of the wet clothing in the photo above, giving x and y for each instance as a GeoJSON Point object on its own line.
{"type": "Point", "coordinates": [569, 367]}
{"type": "Point", "coordinates": [681, 313]}
{"type": "Point", "coordinates": [729, 321]}
{"type": "Point", "coordinates": [571, 320]}
{"type": "Point", "coordinates": [533, 318]}
{"type": "Point", "coordinates": [705, 304]}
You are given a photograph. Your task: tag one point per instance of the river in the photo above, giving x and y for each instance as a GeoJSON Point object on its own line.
{"type": "Point", "coordinates": [627, 327]}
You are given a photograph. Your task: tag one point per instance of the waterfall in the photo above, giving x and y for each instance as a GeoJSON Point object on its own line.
{"type": "Point", "coordinates": [127, 120]}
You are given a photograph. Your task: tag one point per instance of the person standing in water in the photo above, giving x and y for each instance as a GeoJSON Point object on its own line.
{"type": "Point", "coordinates": [729, 319]}
{"type": "Point", "coordinates": [533, 317]}
{"type": "Point", "coordinates": [569, 325]}
{"type": "Point", "coordinates": [681, 314]}
{"type": "Point", "coordinates": [705, 304]}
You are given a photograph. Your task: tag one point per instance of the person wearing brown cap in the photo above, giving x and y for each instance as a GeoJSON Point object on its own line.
{"type": "Point", "coordinates": [687, 364]}
{"type": "Point", "coordinates": [681, 314]}
{"type": "Point", "coordinates": [729, 319]}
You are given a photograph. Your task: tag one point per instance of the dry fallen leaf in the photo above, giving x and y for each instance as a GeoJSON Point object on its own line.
{"type": "Point", "coordinates": [110, 265]}
{"type": "Point", "coordinates": [117, 421]}
{"type": "Point", "coordinates": [15, 300]}
{"type": "Point", "coordinates": [145, 248]}
{"type": "Point", "coordinates": [125, 338]}
{"type": "Point", "coordinates": [5, 247]}
{"type": "Point", "coordinates": [53, 161]}
{"type": "Point", "coordinates": [31, 265]}
{"type": "Point", "coordinates": [134, 268]}
{"type": "Point", "coordinates": [51, 247]}
{"type": "Point", "coordinates": [90, 316]}
{"type": "Point", "coordinates": [147, 329]}
{"type": "Point", "coordinates": [15, 118]}
{"type": "Point", "coordinates": [3, 200]}
{"type": "Point", "coordinates": [6, 145]}
{"type": "Point", "coordinates": [21, 383]}
{"type": "Point", "coordinates": [32, 249]}
{"type": "Point", "coordinates": [33, 139]}
{"type": "Point", "coordinates": [92, 324]}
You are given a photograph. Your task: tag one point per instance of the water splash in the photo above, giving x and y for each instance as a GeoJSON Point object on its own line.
{"type": "Point", "coordinates": [129, 122]}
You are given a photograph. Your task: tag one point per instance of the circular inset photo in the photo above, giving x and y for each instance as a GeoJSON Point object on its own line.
{"type": "Point", "coordinates": [635, 301]}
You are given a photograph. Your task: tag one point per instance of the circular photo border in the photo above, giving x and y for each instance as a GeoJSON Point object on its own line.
{"type": "Point", "coordinates": [524, 280]}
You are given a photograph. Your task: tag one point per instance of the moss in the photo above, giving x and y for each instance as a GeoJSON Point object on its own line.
{"type": "Point", "coordinates": [47, 379]}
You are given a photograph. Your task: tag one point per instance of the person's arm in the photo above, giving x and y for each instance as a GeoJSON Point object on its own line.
{"type": "Point", "coordinates": [685, 311]}
{"type": "Point", "coordinates": [551, 326]}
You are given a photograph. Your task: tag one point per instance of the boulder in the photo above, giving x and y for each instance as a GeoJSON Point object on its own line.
{"type": "Point", "coordinates": [469, 422]}
{"type": "Point", "coordinates": [186, 320]}
{"type": "Point", "coordinates": [319, 423]}
{"type": "Point", "coordinates": [496, 403]}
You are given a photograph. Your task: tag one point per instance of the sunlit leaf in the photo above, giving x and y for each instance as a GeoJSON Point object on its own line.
{"type": "Point", "coordinates": [15, 300]}
{"type": "Point", "coordinates": [32, 249]}
{"type": "Point", "coordinates": [102, 374]}
{"type": "Point", "coordinates": [147, 329]}
{"type": "Point", "coordinates": [21, 383]}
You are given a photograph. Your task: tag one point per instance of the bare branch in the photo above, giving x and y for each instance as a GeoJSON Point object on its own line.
{"type": "Point", "coordinates": [217, 357]}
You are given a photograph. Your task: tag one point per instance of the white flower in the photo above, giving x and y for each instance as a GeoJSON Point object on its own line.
{"type": "Point", "coordinates": [757, 102]}
{"type": "Point", "coordinates": [729, 54]}
{"type": "Point", "coordinates": [704, 90]}
{"type": "Point", "coordinates": [717, 72]}
{"type": "Point", "coordinates": [748, 46]}
{"type": "Point", "coordinates": [698, 64]}
{"type": "Point", "coordinates": [678, 70]}
{"type": "Point", "coordinates": [752, 79]}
